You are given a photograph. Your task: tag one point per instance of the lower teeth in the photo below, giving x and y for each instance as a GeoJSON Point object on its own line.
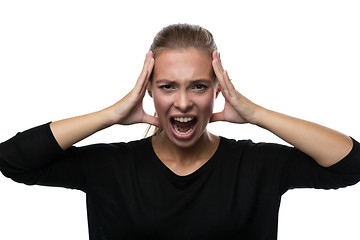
{"type": "Point", "coordinates": [182, 133]}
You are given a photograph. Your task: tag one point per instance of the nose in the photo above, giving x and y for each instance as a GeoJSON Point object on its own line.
{"type": "Point", "coordinates": [183, 101]}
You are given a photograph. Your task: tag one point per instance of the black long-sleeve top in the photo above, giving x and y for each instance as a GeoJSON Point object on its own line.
{"type": "Point", "coordinates": [131, 194]}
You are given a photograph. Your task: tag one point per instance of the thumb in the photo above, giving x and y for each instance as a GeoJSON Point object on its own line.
{"type": "Point", "coordinates": [215, 117]}
{"type": "Point", "coordinates": [152, 120]}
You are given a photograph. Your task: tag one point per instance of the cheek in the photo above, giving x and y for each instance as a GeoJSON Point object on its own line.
{"type": "Point", "coordinates": [206, 104]}
{"type": "Point", "coordinates": [161, 104]}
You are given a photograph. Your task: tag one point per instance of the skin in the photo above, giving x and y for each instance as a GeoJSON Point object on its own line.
{"type": "Point", "coordinates": [325, 145]}
{"type": "Point", "coordinates": [183, 85]}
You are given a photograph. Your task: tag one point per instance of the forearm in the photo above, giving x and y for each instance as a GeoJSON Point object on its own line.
{"type": "Point", "coordinates": [325, 145]}
{"type": "Point", "coordinates": [72, 130]}
{"type": "Point", "coordinates": [127, 111]}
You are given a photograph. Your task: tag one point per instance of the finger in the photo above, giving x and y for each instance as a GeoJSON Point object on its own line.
{"type": "Point", "coordinates": [221, 77]}
{"type": "Point", "coordinates": [218, 73]}
{"type": "Point", "coordinates": [147, 60]}
{"type": "Point", "coordinates": [148, 56]}
{"type": "Point", "coordinates": [229, 87]}
{"type": "Point", "coordinates": [217, 68]}
{"type": "Point", "coordinates": [143, 83]}
{"type": "Point", "coordinates": [149, 69]}
{"type": "Point", "coordinates": [228, 81]}
{"type": "Point", "coordinates": [151, 64]}
{"type": "Point", "coordinates": [143, 79]}
{"type": "Point", "coordinates": [217, 57]}
{"type": "Point", "coordinates": [140, 83]}
{"type": "Point", "coordinates": [215, 54]}
{"type": "Point", "coordinates": [220, 62]}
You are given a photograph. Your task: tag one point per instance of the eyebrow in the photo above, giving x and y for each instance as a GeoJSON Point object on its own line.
{"type": "Point", "coordinates": [197, 81]}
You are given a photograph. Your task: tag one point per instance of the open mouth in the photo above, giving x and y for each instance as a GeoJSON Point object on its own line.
{"type": "Point", "coordinates": [183, 125]}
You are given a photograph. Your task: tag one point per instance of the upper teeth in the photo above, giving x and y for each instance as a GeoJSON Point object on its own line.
{"type": "Point", "coordinates": [183, 119]}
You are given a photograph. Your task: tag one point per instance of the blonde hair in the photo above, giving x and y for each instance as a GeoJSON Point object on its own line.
{"type": "Point", "coordinates": [181, 36]}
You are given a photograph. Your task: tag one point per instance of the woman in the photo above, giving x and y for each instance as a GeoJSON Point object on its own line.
{"type": "Point", "coordinates": [183, 182]}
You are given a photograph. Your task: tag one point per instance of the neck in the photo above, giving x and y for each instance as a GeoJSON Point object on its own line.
{"type": "Point", "coordinates": [205, 146]}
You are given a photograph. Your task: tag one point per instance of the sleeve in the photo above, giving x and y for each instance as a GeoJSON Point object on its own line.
{"type": "Point", "coordinates": [301, 171]}
{"type": "Point", "coordinates": [34, 157]}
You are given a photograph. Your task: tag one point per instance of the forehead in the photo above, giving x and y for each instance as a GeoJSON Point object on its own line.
{"type": "Point", "coordinates": [187, 64]}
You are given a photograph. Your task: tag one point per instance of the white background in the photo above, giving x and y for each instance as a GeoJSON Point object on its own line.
{"type": "Point", "coordinates": [65, 58]}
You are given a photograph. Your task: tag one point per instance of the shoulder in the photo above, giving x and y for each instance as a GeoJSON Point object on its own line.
{"type": "Point", "coordinates": [102, 159]}
{"type": "Point", "coordinates": [132, 145]}
{"type": "Point", "coordinates": [260, 159]}
{"type": "Point", "coordinates": [249, 145]}
{"type": "Point", "coordinates": [247, 149]}
{"type": "Point", "coordinates": [108, 150]}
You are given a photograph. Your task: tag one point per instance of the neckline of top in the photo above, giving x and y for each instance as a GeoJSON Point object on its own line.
{"type": "Point", "coordinates": [192, 175]}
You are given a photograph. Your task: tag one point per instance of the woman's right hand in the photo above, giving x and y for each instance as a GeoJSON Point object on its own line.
{"type": "Point", "coordinates": [129, 109]}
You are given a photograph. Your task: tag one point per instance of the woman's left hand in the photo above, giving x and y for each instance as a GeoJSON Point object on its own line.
{"type": "Point", "coordinates": [237, 109]}
{"type": "Point", "coordinates": [324, 145]}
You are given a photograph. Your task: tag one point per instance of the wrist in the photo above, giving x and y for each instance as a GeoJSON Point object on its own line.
{"type": "Point", "coordinates": [108, 116]}
{"type": "Point", "coordinates": [259, 116]}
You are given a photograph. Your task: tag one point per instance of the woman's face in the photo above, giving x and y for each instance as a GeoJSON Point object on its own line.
{"type": "Point", "coordinates": [184, 89]}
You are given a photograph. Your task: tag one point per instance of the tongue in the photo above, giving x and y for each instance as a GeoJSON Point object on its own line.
{"type": "Point", "coordinates": [183, 126]}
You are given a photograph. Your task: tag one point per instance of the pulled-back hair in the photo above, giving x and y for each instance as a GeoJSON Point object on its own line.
{"type": "Point", "coordinates": [183, 36]}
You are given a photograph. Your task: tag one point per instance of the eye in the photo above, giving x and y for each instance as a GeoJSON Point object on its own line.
{"type": "Point", "coordinates": [166, 87]}
{"type": "Point", "coordinates": [200, 87]}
